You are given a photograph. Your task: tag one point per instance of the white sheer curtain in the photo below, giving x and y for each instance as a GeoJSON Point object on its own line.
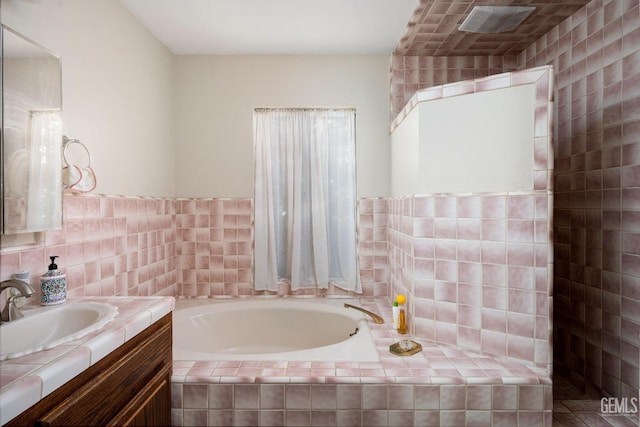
{"type": "Point", "coordinates": [45, 179]}
{"type": "Point", "coordinates": [305, 199]}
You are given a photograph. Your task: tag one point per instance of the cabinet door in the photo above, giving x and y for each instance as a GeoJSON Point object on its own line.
{"type": "Point", "coordinates": [152, 406]}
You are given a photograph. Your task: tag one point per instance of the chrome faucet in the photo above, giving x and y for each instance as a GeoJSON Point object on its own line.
{"type": "Point", "coordinates": [10, 311]}
{"type": "Point", "coordinates": [377, 319]}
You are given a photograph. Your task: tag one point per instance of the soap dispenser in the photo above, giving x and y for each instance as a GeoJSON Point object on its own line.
{"type": "Point", "coordinates": [54, 285]}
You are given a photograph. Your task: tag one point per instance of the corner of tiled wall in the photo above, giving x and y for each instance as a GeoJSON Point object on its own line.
{"type": "Point", "coordinates": [372, 245]}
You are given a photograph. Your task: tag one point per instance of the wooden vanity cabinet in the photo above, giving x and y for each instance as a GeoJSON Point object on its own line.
{"type": "Point", "coordinates": [129, 387]}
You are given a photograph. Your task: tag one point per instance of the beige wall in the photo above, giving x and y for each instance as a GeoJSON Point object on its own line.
{"type": "Point", "coordinates": [118, 89]}
{"type": "Point", "coordinates": [476, 142]}
{"type": "Point", "coordinates": [216, 96]}
{"type": "Point", "coordinates": [164, 125]}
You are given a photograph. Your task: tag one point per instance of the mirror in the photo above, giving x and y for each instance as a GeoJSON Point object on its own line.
{"type": "Point", "coordinates": [31, 136]}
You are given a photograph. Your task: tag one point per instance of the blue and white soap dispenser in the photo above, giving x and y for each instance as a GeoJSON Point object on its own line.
{"type": "Point", "coordinates": [54, 285]}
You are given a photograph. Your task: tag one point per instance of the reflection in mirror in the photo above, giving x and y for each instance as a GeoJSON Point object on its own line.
{"type": "Point", "coordinates": [31, 136]}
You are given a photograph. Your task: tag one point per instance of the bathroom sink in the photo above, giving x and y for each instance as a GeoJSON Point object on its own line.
{"type": "Point", "coordinates": [48, 327]}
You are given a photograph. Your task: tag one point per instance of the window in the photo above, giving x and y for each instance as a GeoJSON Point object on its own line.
{"type": "Point", "coordinates": [305, 199]}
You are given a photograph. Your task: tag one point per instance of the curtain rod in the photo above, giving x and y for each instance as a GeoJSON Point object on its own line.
{"type": "Point", "coordinates": [266, 109]}
{"type": "Point", "coordinates": [45, 110]}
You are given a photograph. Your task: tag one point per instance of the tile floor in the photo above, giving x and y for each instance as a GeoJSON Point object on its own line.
{"type": "Point", "coordinates": [573, 409]}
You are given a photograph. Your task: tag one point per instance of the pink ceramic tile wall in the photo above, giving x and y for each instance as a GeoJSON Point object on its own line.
{"type": "Point", "coordinates": [215, 248]}
{"type": "Point", "coordinates": [477, 270]}
{"type": "Point", "coordinates": [188, 247]}
{"type": "Point", "coordinates": [108, 246]}
{"type": "Point", "coordinates": [274, 404]}
{"type": "Point", "coordinates": [596, 54]}
{"type": "Point", "coordinates": [596, 121]}
{"type": "Point", "coordinates": [372, 246]}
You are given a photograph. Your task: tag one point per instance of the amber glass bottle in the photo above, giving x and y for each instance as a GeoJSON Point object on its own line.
{"type": "Point", "coordinates": [402, 321]}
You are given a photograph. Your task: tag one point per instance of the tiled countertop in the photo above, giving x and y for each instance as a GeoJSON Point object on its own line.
{"type": "Point", "coordinates": [27, 379]}
{"type": "Point", "coordinates": [436, 364]}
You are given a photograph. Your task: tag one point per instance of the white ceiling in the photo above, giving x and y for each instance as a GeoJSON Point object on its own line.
{"type": "Point", "coordinates": [275, 27]}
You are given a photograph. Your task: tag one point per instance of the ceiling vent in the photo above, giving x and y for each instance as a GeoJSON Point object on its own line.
{"type": "Point", "coordinates": [495, 19]}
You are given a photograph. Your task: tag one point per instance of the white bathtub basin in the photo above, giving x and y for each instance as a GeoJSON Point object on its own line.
{"type": "Point", "coordinates": [48, 327]}
{"type": "Point", "coordinates": [271, 329]}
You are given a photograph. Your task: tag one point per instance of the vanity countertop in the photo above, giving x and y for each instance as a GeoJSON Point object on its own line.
{"type": "Point", "coordinates": [25, 380]}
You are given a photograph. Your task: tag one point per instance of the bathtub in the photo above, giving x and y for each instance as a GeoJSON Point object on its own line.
{"type": "Point", "coordinates": [271, 329]}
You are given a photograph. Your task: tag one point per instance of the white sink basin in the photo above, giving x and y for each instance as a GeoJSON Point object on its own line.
{"type": "Point", "coordinates": [48, 327]}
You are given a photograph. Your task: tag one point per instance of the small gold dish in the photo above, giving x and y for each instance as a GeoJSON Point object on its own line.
{"type": "Point", "coordinates": [405, 348]}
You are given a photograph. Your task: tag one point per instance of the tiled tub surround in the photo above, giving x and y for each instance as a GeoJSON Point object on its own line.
{"type": "Point", "coordinates": [439, 386]}
{"type": "Point", "coordinates": [215, 248]}
{"type": "Point", "coordinates": [477, 267]}
{"type": "Point", "coordinates": [27, 379]}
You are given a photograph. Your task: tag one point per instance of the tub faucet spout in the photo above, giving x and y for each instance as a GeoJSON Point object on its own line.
{"type": "Point", "coordinates": [377, 319]}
